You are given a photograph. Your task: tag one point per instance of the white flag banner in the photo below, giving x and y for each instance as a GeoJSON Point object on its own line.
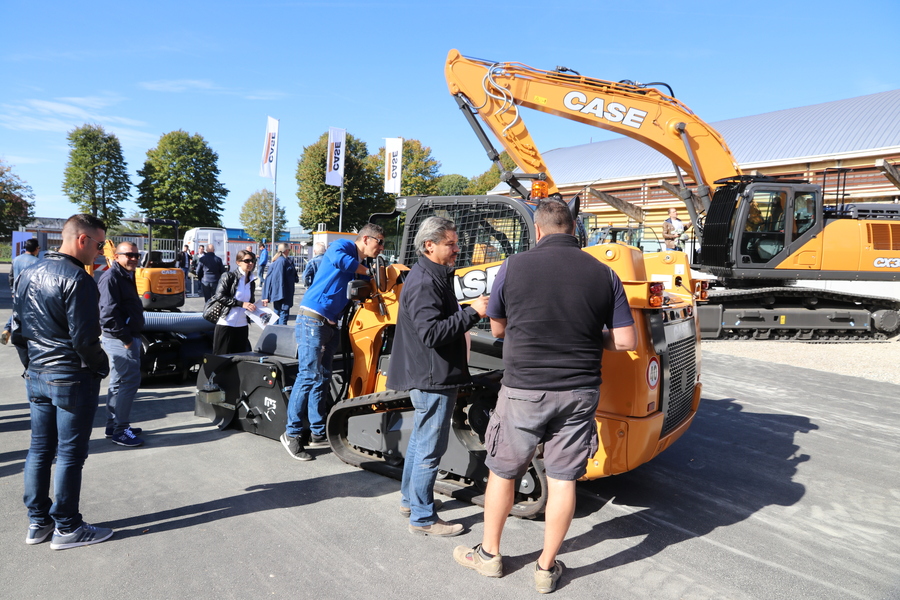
{"type": "Point", "coordinates": [393, 160]}
{"type": "Point", "coordinates": [334, 166]}
{"type": "Point", "coordinates": [270, 150]}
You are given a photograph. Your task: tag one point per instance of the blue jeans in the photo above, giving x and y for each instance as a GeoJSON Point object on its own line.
{"type": "Point", "coordinates": [63, 406]}
{"type": "Point", "coordinates": [282, 310]}
{"type": "Point", "coordinates": [124, 380]}
{"type": "Point", "coordinates": [427, 444]}
{"type": "Point", "coordinates": [316, 344]}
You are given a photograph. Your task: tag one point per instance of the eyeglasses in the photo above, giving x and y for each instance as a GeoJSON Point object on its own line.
{"type": "Point", "coordinates": [99, 244]}
{"type": "Point", "coordinates": [130, 255]}
{"type": "Point", "coordinates": [379, 242]}
{"type": "Point", "coordinates": [249, 261]}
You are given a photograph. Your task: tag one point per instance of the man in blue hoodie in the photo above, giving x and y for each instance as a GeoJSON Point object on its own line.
{"type": "Point", "coordinates": [317, 337]}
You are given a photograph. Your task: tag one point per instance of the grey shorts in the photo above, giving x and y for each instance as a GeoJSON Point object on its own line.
{"type": "Point", "coordinates": [563, 421]}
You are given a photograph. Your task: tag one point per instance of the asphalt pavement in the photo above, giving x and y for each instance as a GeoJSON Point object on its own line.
{"type": "Point", "coordinates": [785, 487]}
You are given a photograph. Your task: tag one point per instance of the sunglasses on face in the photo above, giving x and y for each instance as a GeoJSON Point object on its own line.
{"type": "Point", "coordinates": [99, 244]}
{"type": "Point", "coordinates": [378, 241]}
{"type": "Point", "coordinates": [130, 255]}
{"type": "Point", "coordinates": [249, 261]}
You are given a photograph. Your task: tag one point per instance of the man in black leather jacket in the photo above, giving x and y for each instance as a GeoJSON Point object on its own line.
{"type": "Point", "coordinates": [56, 319]}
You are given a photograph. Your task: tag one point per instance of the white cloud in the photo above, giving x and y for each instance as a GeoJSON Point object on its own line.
{"type": "Point", "coordinates": [179, 85]}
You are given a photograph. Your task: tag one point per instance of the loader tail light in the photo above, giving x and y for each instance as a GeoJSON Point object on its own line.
{"type": "Point", "coordinates": [656, 294]}
{"type": "Point", "coordinates": [701, 290]}
{"type": "Point", "coordinates": [539, 190]}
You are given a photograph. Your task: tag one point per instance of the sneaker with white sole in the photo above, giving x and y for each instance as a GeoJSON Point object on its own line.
{"type": "Point", "coordinates": [38, 533]}
{"type": "Point", "coordinates": [439, 528]}
{"type": "Point", "coordinates": [128, 439]}
{"type": "Point", "coordinates": [318, 441]}
{"type": "Point", "coordinates": [294, 447]}
{"type": "Point", "coordinates": [83, 536]}
{"type": "Point", "coordinates": [134, 430]}
{"type": "Point", "coordinates": [472, 559]}
{"type": "Point", "coordinates": [545, 581]}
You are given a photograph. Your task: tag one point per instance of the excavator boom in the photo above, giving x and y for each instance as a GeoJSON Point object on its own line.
{"type": "Point", "coordinates": [497, 90]}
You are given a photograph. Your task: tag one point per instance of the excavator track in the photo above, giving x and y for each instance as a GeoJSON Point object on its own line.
{"type": "Point", "coordinates": [372, 432]}
{"type": "Point", "coordinates": [798, 314]}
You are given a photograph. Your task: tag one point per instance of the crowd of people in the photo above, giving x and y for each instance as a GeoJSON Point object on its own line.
{"type": "Point", "coordinates": [548, 397]}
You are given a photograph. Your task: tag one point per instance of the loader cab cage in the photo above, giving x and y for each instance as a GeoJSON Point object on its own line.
{"type": "Point", "coordinates": [490, 228]}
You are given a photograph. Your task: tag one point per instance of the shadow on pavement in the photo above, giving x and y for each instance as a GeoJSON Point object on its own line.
{"type": "Point", "coordinates": [728, 466]}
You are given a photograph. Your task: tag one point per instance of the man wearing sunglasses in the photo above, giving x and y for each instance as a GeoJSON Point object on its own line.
{"type": "Point", "coordinates": [56, 319]}
{"type": "Point", "coordinates": [122, 319]}
{"type": "Point", "coordinates": [317, 337]}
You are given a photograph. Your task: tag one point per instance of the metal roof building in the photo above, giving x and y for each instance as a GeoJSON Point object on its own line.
{"type": "Point", "coordinates": [796, 142]}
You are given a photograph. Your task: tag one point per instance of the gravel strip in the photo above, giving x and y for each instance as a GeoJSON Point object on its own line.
{"type": "Point", "coordinates": [875, 361]}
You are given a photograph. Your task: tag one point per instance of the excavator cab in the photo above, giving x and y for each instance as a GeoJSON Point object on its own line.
{"type": "Point", "coordinates": [756, 224]}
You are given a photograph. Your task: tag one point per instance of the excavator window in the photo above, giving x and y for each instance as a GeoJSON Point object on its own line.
{"type": "Point", "coordinates": [763, 236]}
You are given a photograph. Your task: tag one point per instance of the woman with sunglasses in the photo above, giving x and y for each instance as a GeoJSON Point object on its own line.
{"type": "Point", "coordinates": [236, 289]}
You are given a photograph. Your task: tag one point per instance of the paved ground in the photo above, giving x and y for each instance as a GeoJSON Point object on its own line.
{"type": "Point", "coordinates": [786, 487]}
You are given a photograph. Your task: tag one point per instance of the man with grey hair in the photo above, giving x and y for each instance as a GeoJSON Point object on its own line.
{"type": "Point", "coordinates": [429, 359]}
{"type": "Point", "coordinates": [309, 274]}
{"type": "Point", "coordinates": [209, 271]}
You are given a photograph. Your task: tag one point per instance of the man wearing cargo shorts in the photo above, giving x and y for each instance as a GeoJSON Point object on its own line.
{"type": "Point", "coordinates": [556, 324]}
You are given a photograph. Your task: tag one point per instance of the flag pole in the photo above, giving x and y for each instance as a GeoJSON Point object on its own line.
{"type": "Point", "coordinates": [274, 201]}
{"type": "Point", "coordinates": [341, 212]}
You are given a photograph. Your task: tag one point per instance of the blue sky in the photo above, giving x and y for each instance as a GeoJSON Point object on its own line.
{"type": "Point", "coordinates": [376, 69]}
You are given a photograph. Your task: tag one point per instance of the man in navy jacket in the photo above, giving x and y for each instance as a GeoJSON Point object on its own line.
{"type": "Point", "coordinates": [429, 360]}
{"type": "Point", "coordinates": [122, 319]}
{"type": "Point", "coordinates": [280, 284]}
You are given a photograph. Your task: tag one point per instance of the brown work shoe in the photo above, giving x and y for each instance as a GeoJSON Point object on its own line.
{"type": "Point", "coordinates": [471, 558]}
{"type": "Point", "coordinates": [545, 581]}
{"type": "Point", "coordinates": [439, 528]}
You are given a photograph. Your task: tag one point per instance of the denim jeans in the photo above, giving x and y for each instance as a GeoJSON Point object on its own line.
{"type": "Point", "coordinates": [316, 344]}
{"type": "Point", "coordinates": [63, 406]}
{"type": "Point", "coordinates": [427, 444]}
{"type": "Point", "coordinates": [282, 311]}
{"type": "Point", "coordinates": [124, 380]}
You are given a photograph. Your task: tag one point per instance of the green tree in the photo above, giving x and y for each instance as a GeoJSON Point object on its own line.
{"type": "Point", "coordinates": [452, 185]}
{"type": "Point", "coordinates": [363, 187]}
{"type": "Point", "coordinates": [419, 172]}
{"type": "Point", "coordinates": [16, 205]}
{"type": "Point", "coordinates": [130, 228]}
{"type": "Point", "coordinates": [256, 216]}
{"type": "Point", "coordinates": [481, 184]}
{"type": "Point", "coordinates": [96, 176]}
{"type": "Point", "coordinates": [180, 180]}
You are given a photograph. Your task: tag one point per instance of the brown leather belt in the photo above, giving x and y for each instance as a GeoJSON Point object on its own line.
{"type": "Point", "coordinates": [308, 313]}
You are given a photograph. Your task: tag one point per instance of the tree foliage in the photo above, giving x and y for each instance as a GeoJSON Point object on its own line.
{"type": "Point", "coordinates": [363, 187]}
{"type": "Point", "coordinates": [96, 176]}
{"type": "Point", "coordinates": [256, 216]}
{"type": "Point", "coordinates": [180, 180]}
{"type": "Point", "coordinates": [419, 172]}
{"type": "Point", "coordinates": [16, 201]}
{"type": "Point", "coordinates": [129, 228]}
{"type": "Point", "coordinates": [481, 184]}
{"type": "Point", "coordinates": [452, 185]}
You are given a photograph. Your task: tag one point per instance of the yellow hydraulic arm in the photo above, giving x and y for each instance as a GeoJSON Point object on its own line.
{"type": "Point", "coordinates": [496, 90]}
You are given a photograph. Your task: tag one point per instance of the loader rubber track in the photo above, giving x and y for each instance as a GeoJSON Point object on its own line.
{"type": "Point", "coordinates": [391, 464]}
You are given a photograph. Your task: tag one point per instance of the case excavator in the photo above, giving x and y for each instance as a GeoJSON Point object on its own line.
{"type": "Point", "coordinates": [768, 243]}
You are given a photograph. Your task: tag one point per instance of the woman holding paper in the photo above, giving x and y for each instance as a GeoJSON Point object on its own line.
{"type": "Point", "coordinates": [236, 289]}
